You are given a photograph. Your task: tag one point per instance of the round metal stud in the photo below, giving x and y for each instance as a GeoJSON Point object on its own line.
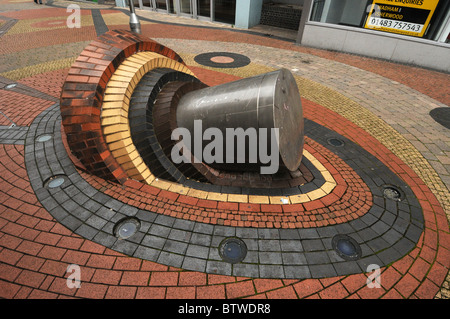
{"type": "Point", "coordinates": [126, 228]}
{"type": "Point", "coordinates": [392, 192]}
{"type": "Point", "coordinates": [55, 181]}
{"type": "Point", "coordinates": [44, 138]}
{"type": "Point", "coordinates": [346, 247]}
{"type": "Point", "coordinates": [233, 250]}
{"type": "Point", "coordinates": [10, 86]}
{"type": "Point", "coordinates": [335, 142]}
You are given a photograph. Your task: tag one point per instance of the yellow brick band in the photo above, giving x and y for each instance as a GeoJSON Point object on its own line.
{"type": "Point", "coordinates": [114, 115]}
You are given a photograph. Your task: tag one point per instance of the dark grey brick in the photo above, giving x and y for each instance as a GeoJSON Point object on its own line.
{"type": "Point", "coordinates": [322, 271]}
{"type": "Point", "coordinates": [194, 264]}
{"type": "Point", "coordinates": [246, 270]}
{"type": "Point", "coordinates": [319, 257]}
{"type": "Point", "coordinates": [170, 259]}
{"type": "Point", "coordinates": [218, 267]}
{"type": "Point", "coordinates": [291, 245]}
{"type": "Point", "coordinates": [270, 258]}
{"type": "Point", "coordinates": [294, 259]}
{"type": "Point", "coordinates": [271, 271]}
{"type": "Point", "coordinates": [147, 253]}
{"type": "Point", "coordinates": [197, 251]}
{"type": "Point", "coordinates": [297, 272]}
{"type": "Point", "coordinates": [312, 245]}
{"type": "Point", "coordinates": [269, 245]}
{"type": "Point", "coordinates": [153, 242]}
{"type": "Point", "coordinates": [159, 230]}
{"type": "Point", "coordinates": [201, 239]}
{"type": "Point", "coordinates": [175, 247]}
{"type": "Point", "coordinates": [125, 246]}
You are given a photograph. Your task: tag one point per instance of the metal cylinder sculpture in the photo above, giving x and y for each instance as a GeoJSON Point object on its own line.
{"type": "Point", "coordinates": [257, 105]}
{"type": "Point", "coordinates": [121, 121]}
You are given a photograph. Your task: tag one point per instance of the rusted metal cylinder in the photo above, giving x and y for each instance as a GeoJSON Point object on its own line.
{"type": "Point", "coordinates": [266, 101]}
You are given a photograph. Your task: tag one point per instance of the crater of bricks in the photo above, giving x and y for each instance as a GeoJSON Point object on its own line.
{"type": "Point", "coordinates": [293, 240]}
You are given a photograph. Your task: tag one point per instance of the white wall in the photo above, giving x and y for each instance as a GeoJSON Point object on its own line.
{"type": "Point", "coordinates": [392, 47]}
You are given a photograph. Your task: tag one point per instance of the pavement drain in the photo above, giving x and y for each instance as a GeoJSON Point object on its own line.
{"type": "Point", "coordinates": [233, 250]}
{"type": "Point", "coordinates": [127, 227]}
{"type": "Point", "coordinates": [346, 247]}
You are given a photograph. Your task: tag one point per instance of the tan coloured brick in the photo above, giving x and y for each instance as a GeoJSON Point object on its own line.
{"type": "Point", "coordinates": [217, 196]}
{"type": "Point", "coordinates": [197, 193]}
{"type": "Point", "coordinates": [328, 177]}
{"type": "Point", "coordinates": [238, 198]}
{"type": "Point", "coordinates": [328, 187]}
{"type": "Point", "coordinates": [110, 129]}
{"type": "Point", "coordinates": [132, 64]}
{"type": "Point", "coordinates": [279, 200]}
{"type": "Point", "coordinates": [112, 105]}
{"type": "Point", "coordinates": [177, 188]}
{"type": "Point", "coordinates": [160, 184]}
{"type": "Point", "coordinates": [113, 98]}
{"type": "Point", "coordinates": [316, 194]}
{"type": "Point", "coordinates": [126, 73]}
{"type": "Point", "coordinates": [299, 199]}
{"type": "Point", "coordinates": [147, 176]}
{"type": "Point", "coordinates": [258, 199]}
{"type": "Point", "coordinates": [114, 137]}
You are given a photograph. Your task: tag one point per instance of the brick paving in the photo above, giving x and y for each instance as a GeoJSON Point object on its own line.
{"type": "Point", "coordinates": [365, 101]}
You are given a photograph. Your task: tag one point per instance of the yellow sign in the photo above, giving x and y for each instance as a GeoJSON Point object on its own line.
{"type": "Point", "coordinates": [409, 17]}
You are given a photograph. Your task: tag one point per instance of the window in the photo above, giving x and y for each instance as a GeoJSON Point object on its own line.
{"type": "Point", "coordinates": [225, 11]}
{"type": "Point", "coordinates": [428, 19]}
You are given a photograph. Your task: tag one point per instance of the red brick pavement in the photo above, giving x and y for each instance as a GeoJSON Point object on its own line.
{"type": "Point", "coordinates": [35, 250]}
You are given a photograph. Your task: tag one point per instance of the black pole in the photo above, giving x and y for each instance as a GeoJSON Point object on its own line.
{"type": "Point", "coordinates": [135, 25]}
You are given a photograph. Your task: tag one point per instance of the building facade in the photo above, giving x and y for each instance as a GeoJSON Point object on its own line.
{"type": "Point", "coordinates": [407, 31]}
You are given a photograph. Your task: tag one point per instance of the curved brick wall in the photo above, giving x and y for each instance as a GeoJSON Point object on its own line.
{"type": "Point", "coordinates": [95, 106]}
{"type": "Point", "coordinates": [83, 93]}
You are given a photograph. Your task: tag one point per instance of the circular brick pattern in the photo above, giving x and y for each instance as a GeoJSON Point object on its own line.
{"type": "Point", "coordinates": [222, 60]}
{"type": "Point", "coordinates": [388, 231]}
{"type": "Point", "coordinates": [142, 126]}
{"type": "Point", "coordinates": [331, 208]}
{"type": "Point", "coordinates": [417, 275]}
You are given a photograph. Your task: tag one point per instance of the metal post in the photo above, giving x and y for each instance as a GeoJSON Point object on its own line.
{"type": "Point", "coordinates": [135, 25]}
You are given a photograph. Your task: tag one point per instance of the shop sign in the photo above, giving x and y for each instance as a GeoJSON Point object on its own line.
{"type": "Point", "coordinates": [408, 17]}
